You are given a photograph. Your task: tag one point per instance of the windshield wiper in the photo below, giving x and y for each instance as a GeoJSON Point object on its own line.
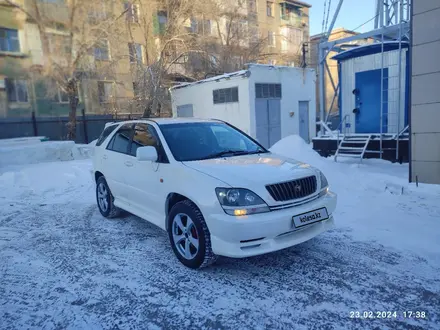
{"type": "Point", "coordinates": [259, 151]}
{"type": "Point", "coordinates": [225, 153]}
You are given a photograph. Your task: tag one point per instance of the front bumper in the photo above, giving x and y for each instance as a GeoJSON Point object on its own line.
{"type": "Point", "coordinates": [246, 236]}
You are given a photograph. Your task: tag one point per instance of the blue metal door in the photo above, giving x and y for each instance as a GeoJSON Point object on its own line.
{"type": "Point", "coordinates": [304, 120]}
{"type": "Point", "coordinates": [368, 101]}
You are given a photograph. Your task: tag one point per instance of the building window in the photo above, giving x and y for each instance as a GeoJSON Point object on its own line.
{"type": "Point", "coordinates": [59, 44]}
{"type": "Point", "coordinates": [17, 90]}
{"type": "Point", "coordinates": [252, 6]}
{"type": "Point", "coordinates": [9, 40]}
{"type": "Point", "coordinates": [271, 38]}
{"type": "Point", "coordinates": [132, 11]}
{"type": "Point", "coordinates": [98, 12]}
{"type": "Point", "coordinates": [101, 50]}
{"type": "Point", "coordinates": [291, 14]}
{"type": "Point", "coordinates": [161, 22]}
{"type": "Point", "coordinates": [61, 96]}
{"type": "Point", "coordinates": [269, 8]}
{"type": "Point", "coordinates": [201, 26]}
{"type": "Point", "coordinates": [135, 52]}
{"type": "Point", "coordinates": [296, 36]}
{"type": "Point", "coordinates": [266, 91]}
{"type": "Point", "coordinates": [225, 95]}
{"type": "Point", "coordinates": [105, 91]}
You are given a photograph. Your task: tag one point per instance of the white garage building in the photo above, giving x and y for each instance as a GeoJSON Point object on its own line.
{"type": "Point", "coordinates": [267, 102]}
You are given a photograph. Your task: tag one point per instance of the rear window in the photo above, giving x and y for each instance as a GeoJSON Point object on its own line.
{"type": "Point", "coordinates": [105, 133]}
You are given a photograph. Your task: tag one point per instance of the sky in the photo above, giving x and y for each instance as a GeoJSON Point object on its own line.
{"type": "Point", "coordinates": [353, 13]}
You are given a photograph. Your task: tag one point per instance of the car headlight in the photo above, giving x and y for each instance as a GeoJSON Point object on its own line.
{"type": "Point", "coordinates": [238, 201]}
{"type": "Point", "coordinates": [324, 184]}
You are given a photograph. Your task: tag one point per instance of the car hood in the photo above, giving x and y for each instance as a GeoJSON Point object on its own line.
{"type": "Point", "coordinates": [249, 171]}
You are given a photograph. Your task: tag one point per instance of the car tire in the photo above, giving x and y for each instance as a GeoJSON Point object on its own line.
{"type": "Point", "coordinates": [105, 199]}
{"type": "Point", "coordinates": [193, 228]}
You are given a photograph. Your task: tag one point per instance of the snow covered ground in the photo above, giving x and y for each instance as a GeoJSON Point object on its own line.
{"type": "Point", "coordinates": [63, 266]}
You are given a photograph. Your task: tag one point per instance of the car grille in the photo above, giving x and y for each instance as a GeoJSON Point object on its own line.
{"type": "Point", "coordinates": [295, 189]}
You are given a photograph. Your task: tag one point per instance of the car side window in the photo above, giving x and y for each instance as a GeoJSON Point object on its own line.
{"type": "Point", "coordinates": [145, 135]}
{"type": "Point", "coordinates": [120, 142]}
{"type": "Point", "coordinates": [105, 133]}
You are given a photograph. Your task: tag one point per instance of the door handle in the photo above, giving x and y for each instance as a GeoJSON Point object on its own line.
{"type": "Point", "coordinates": [104, 157]}
{"type": "Point", "coordinates": [128, 164]}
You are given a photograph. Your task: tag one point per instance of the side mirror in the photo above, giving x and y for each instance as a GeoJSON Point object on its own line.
{"type": "Point", "coordinates": [145, 154]}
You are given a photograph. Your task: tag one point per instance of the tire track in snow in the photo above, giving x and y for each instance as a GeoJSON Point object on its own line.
{"type": "Point", "coordinates": [73, 268]}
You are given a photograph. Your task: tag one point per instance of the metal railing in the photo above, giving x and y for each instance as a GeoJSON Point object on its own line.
{"type": "Point", "coordinates": [326, 128]}
{"type": "Point", "coordinates": [398, 135]}
{"type": "Point", "coordinates": [344, 120]}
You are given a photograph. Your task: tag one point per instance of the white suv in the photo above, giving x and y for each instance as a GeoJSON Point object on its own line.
{"type": "Point", "coordinates": [214, 189]}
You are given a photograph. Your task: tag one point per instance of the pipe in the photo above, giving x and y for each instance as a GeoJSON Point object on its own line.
{"type": "Point", "coordinates": [322, 95]}
{"type": "Point", "coordinates": [381, 97]}
{"type": "Point", "coordinates": [399, 89]}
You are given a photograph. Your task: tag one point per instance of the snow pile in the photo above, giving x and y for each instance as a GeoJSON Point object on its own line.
{"type": "Point", "coordinates": [85, 150]}
{"type": "Point", "coordinates": [296, 148]}
{"type": "Point", "coordinates": [375, 199]}
{"type": "Point", "coordinates": [39, 152]}
{"type": "Point", "coordinates": [21, 141]}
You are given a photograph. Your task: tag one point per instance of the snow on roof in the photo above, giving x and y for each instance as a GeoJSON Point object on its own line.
{"type": "Point", "coordinates": [240, 73]}
{"type": "Point", "coordinates": [215, 78]}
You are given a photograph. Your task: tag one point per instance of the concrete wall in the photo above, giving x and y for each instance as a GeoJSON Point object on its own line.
{"type": "Point", "coordinates": [425, 92]}
{"type": "Point", "coordinates": [200, 96]}
{"type": "Point", "coordinates": [297, 85]}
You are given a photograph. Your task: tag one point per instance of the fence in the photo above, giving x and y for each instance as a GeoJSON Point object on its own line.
{"type": "Point", "coordinates": [88, 127]}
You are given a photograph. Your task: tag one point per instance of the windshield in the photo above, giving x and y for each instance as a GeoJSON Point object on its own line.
{"type": "Point", "coordinates": [207, 140]}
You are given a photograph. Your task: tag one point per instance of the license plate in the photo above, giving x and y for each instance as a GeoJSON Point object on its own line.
{"type": "Point", "coordinates": [308, 218]}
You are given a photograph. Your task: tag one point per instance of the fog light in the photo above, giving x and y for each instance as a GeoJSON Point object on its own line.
{"type": "Point", "coordinates": [240, 212]}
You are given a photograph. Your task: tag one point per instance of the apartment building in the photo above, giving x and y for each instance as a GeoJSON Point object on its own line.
{"type": "Point", "coordinates": [15, 94]}
{"type": "Point", "coordinates": [104, 72]}
{"type": "Point", "coordinates": [115, 71]}
{"type": "Point", "coordinates": [284, 24]}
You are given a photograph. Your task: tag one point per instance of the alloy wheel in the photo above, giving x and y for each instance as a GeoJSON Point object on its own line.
{"type": "Point", "coordinates": [185, 236]}
{"type": "Point", "coordinates": [103, 197]}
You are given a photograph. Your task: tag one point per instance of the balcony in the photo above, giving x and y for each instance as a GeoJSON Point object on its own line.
{"type": "Point", "coordinates": [291, 20]}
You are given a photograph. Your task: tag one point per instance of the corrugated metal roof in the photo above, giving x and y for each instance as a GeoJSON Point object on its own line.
{"type": "Point", "coordinates": [369, 49]}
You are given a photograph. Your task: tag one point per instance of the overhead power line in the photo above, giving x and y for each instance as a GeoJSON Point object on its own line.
{"type": "Point", "coordinates": [323, 16]}
{"type": "Point", "coordinates": [364, 23]}
{"type": "Point", "coordinates": [328, 14]}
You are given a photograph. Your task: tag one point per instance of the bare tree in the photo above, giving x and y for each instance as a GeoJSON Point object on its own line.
{"type": "Point", "coordinates": [158, 43]}
{"type": "Point", "coordinates": [70, 31]}
{"type": "Point", "coordinates": [185, 40]}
